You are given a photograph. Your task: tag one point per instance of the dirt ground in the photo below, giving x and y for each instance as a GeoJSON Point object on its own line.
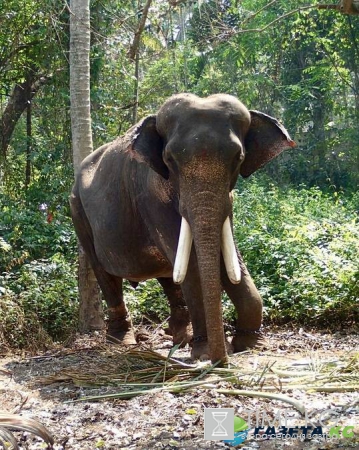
{"type": "Point", "coordinates": [169, 421]}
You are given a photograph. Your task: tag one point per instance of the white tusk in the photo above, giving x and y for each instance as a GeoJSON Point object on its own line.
{"type": "Point", "coordinates": [183, 252]}
{"type": "Point", "coordinates": [229, 253]}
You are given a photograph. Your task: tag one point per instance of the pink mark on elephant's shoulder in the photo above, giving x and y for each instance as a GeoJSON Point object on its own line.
{"type": "Point", "coordinates": [129, 150]}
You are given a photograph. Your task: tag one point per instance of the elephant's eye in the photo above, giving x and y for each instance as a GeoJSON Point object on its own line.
{"type": "Point", "coordinates": [168, 158]}
{"type": "Point", "coordinates": [238, 158]}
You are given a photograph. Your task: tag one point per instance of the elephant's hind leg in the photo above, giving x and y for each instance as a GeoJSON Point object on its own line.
{"type": "Point", "coordinates": [119, 322]}
{"type": "Point", "coordinates": [120, 328]}
{"type": "Point", "coordinates": [248, 304]}
{"type": "Point", "coordinates": [179, 323]}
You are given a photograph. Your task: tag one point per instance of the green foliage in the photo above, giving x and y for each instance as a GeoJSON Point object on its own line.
{"type": "Point", "coordinates": [302, 249]}
{"type": "Point", "coordinates": [147, 302]}
{"type": "Point", "coordinates": [46, 294]}
{"type": "Point", "coordinates": [32, 39]}
{"type": "Point", "coordinates": [33, 231]}
{"type": "Point", "coordinates": [38, 285]}
{"type": "Point", "coordinates": [41, 295]}
{"type": "Point", "coordinates": [19, 327]}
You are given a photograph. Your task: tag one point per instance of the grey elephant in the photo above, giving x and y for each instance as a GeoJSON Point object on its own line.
{"type": "Point", "coordinates": [155, 203]}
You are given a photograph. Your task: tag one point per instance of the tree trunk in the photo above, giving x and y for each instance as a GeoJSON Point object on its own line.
{"type": "Point", "coordinates": [28, 141]}
{"type": "Point", "coordinates": [16, 105]}
{"type": "Point", "coordinates": [320, 149]}
{"type": "Point", "coordinates": [136, 87]}
{"type": "Point", "coordinates": [91, 314]}
{"type": "Point", "coordinates": [134, 55]}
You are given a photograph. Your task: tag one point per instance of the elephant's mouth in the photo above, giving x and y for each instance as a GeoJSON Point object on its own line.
{"type": "Point", "coordinates": [184, 250]}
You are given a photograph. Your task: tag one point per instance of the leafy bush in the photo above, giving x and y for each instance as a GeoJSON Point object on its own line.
{"type": "Point", "coordinates": [19, 327]}
{"type": "Point", "coordinates": [147, 301]}
{"type": "Point", "coordinates": [33, 231]}
{"type": "Point", "coordinates": [302, 249]}
{"type": "Point", "coordinates": [46, 293]}
{"type": "Point", "coordinates": [38, 286]}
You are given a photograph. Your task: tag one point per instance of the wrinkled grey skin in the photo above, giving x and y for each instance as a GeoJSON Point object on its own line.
{"type": "Point", "coordinates": [129, 197]}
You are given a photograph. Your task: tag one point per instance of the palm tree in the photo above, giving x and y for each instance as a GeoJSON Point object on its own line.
{"type": "Point", "coordinates": [91, 316]}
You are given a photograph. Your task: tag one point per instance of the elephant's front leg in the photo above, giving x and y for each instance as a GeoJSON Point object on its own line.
{"type": "Point", "coordinates": [249, 305]}
{"type": "Point", "coordinates": [179, 323]}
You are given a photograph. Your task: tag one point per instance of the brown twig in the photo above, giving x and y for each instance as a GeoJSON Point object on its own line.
{"type": "Point", "coordinates": [278, 19]}
{"type": "Point", "coordinates": [137, 38]}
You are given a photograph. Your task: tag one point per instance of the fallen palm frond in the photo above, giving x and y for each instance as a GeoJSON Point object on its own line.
{"type": "Point", "coordinates": [15, 422]}
{"type": "Point", "coordinates": [7, 439]}
{"type": "Point", "coordinates": [146, 367]}
{"type": "Point", "coordinates": [138, 372]}
{"type": "Point", "coordinates": [177, 388]}
{"type": "Point", "coordinates": [330, 376]}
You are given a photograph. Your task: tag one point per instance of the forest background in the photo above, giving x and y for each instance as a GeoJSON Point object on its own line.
{"type": "Point", "coordinates": [296, 221]}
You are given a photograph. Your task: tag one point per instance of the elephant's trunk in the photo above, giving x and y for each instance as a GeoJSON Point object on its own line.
{"type": "Point", "coordinates": [207, 243]}
{"type": "Point", "coordinates": [205, 206]}
{"type": "Point", "coordinates": [206, 211]}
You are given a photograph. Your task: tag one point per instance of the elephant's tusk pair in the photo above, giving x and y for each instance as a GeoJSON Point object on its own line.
{"type": "Point", "coordinates": [184, 251]}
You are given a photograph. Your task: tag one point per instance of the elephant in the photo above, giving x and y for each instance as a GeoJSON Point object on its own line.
{"type": "Point", "coordinates": [156, 203]}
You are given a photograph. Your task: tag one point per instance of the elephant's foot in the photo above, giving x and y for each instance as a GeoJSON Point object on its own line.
{"type": "Point", "coordinates": [126, 338]}
{"type": "Point", "coordinates": [200, 348]}
{"type": "Point", "coordinates": [120, 331]}
{"type": "Point", "coordinates": [180, 326]}
{"type": "Point", "coordinates": [247, 339]}
{"type": "Point", "coordinates": [182, 336]}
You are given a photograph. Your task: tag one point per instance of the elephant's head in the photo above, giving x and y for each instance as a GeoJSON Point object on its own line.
{"type": "Point", "coordinates": [201, 145]}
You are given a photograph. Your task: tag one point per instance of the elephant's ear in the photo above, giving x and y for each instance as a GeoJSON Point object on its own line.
{"type": "Point", "coordinates": [265, 139]}
{"type": "Point", "coordinates": [147, 145]}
